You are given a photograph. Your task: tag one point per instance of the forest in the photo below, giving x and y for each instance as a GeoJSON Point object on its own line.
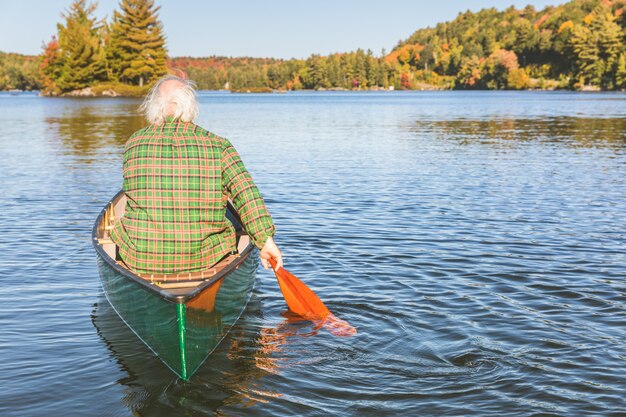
{"type": "Point", "coordinates": [579, 45]}
{"type": "Point", "coordinates": [19, 72]}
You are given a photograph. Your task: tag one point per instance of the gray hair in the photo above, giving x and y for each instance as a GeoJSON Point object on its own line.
{"type": "Point", "coordinates": [178, 102]}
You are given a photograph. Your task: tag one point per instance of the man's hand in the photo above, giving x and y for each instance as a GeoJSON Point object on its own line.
{"type": "Point", "coordinates": [270, 250]}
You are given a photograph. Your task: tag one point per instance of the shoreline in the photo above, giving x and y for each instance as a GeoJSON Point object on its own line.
{"type": "Point", "coordinates": [329, 90]}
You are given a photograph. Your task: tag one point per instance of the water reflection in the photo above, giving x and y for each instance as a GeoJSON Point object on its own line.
{"type": "Point", "coordinates": [229, 378]}
{"type": "Point", "coordinates": [574, 131]}
{"type": "Point", "coordinates": [86, 128]}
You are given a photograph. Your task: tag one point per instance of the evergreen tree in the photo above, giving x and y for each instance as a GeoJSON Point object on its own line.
{"type": "Point", "coordinates": [597, 44]}
{"type": "Point", "coordinates": [318, 69]}
{"type": "Point", "coordinates": [81, 58]}
{"type": "Point", "coordinates": [372, 69]}
{"type": "Point", "coordinates": [136, 50]}
{"type": "Point", "coordinates": [348, 64]}
{"type": "Point", "coordinates": [360, 69]}
{"type": "Point", "coordinates": [277, 76]}
{"type": "Point", "coordinates": [620, 74]}
{"type": "Point", "coordinates": [526, 36]}
{"type": "Point", "coordinates": [335, 76]}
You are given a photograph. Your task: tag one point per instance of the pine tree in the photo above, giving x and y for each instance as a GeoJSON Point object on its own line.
{"type": "Point", "coordinates": [372, 68]}
{"type": "Point", "coordinates": [335, 76]}
{"type": "Point", "coordinates": [360, 69]}
{"type": "Point", "coordinates": [587, 53]}
{"type": "Point", "coordinates": [597, 45]}
{"type": "Point", "coordinates": [609, 42]}
{"type": "Point", "coordinates": [136, 50]}
{"type": "Point", "coordinates": [81, 56]}
{"type": "Point", "coordinates": [620, 73]}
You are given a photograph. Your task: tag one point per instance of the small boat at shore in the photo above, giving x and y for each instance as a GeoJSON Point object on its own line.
{"type": "Point", "coordinates": [181, 317]}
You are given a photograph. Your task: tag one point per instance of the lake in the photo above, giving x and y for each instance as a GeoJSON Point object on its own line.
{"type": "Point", "coordinates": [475, 239]}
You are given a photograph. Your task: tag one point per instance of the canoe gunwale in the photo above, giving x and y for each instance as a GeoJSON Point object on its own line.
{"type": "Point", "coordinates": [153, 288]}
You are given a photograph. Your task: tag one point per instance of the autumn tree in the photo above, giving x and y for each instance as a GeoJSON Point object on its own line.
{"type": "Point", "coordinates": [405, 81]}
{"type": "Point", "coordinates": [469, 75]}
{"type": "Point", "coordinates": [136, 49]}
{"type": "Point", "coordinates": [50, 67]}
{"type": "Point", "coordinates": [497, 68]}
{"type": "Point", "coordinates": [517, 79]}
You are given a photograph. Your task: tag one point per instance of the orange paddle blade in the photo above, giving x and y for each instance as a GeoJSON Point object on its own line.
{"type": "Point", "coordinates": [303, 302]}
{"type": "Point", "coordinates": [300, 298]}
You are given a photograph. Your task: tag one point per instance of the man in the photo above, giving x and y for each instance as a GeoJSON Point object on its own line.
{"type": "Point", "coordinates": [178, 178]}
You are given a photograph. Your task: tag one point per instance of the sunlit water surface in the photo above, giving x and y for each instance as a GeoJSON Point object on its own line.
{"type": "Point", "coordinates": [476, 240]}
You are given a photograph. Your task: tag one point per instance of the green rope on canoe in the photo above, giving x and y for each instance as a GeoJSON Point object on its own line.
{"type": "Point", "coordinates": [180, 318]}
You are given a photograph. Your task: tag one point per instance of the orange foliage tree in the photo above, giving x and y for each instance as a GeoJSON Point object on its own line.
{"type": "Point", "coordinates": [49, 67]}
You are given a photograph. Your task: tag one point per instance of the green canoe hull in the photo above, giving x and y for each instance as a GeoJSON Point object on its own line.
{"type": "Point", "coordinates": [181, 336]}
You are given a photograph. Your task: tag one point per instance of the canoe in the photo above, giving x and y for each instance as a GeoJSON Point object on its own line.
{"type": "Point", "coordinates": [181, 317]}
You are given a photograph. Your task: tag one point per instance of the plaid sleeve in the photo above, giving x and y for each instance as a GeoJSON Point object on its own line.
{"type": "Point", "coordinates": [246, 197]}
{"type": "Point", "coordinates": [127, 156]}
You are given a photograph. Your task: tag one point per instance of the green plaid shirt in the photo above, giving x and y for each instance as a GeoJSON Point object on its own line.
{"type": "Point", "coordinates": [178, 178]}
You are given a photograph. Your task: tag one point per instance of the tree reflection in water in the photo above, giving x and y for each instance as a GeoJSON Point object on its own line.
{"type": "Point", "coordinates": [89, 127]}
{"type": "Point", "coordinates": [567, 130]}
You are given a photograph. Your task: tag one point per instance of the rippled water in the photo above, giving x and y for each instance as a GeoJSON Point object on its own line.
{"type": "Point", "coordinates": [475, 239]}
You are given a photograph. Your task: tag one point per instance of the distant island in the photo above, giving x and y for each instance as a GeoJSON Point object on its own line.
{"type": "Point", "coordinates": [579, 45]}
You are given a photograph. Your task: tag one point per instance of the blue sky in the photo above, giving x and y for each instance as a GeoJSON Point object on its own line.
{"type": "Point", "coordinates": [258, 28]}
